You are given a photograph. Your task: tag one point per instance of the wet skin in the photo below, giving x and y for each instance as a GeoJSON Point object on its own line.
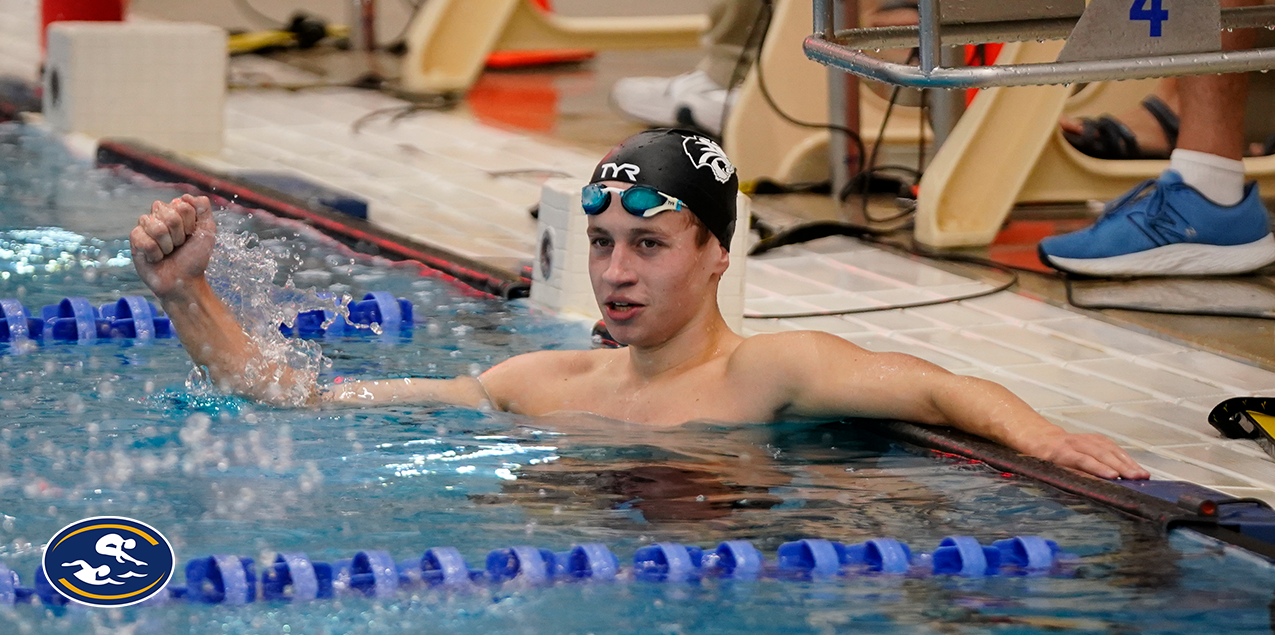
{"type": "Point", "coordinates": [657, 288]}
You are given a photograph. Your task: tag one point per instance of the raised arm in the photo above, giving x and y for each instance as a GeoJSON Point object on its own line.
{"type": "Point", "coordinates": [826, 376]}
{"type": "Point", "coordinates": [171, 247]}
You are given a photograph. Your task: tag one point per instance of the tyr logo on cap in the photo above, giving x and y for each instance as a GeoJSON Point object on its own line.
{"type": "Point", "coordinates": [108, 561]}
{"type": "Point", "coordinates": [615, 171]}
{"type": "Point", "coordinates": [704, 152]}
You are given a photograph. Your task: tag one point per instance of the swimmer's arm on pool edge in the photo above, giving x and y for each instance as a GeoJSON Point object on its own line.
{"type": "Point", "coordinates": [825, 376]}
{"type": "Point", "coordinates": [171, 247]}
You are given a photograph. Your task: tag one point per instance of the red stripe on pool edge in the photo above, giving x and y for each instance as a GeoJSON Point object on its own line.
{"type": "Point", "coordinates": [241, 194]}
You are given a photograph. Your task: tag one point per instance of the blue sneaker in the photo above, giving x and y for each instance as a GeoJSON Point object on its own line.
{"type": "Point", "coordinates": [1165, 227]}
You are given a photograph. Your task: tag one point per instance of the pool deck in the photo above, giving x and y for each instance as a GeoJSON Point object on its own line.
{"type": "Point", "coordinates": [435, 176]}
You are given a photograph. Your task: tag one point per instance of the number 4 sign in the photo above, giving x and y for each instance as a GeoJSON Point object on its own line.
{"type": "Point", "coordinates": [1156, 14]}
{"type": "Point", "coordinates": [1120, 29]}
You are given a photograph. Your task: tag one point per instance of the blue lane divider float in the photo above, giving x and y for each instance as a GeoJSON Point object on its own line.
{"type": "Point", "coordinates": [134, 317]}
{"type": "Point", "coordinates": [377, 307]}
{"type": "Point", "coordinates": [293, 577]}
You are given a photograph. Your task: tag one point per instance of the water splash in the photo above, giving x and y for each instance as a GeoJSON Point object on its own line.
{"type": "Point", "coordinates": [241, 273]}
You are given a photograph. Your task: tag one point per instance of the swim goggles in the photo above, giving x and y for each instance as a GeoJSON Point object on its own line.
{"type": "Point", "coordinates": [639, 200]}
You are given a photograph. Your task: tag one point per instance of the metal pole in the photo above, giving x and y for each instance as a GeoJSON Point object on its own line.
{"type": "Point", "coordinates": [931, 42]}
{"type": "Point", "coordinates": [947, 105]}
{"type": "Point", "coordinates": [824, 18]}
{"type": "Point", "coordinates": [363, 25]}
{"type": "Point", "coordinates": [844, 159]}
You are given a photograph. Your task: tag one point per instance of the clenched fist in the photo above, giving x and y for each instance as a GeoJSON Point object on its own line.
{"type": "Point", "coordinates": [172, 244]}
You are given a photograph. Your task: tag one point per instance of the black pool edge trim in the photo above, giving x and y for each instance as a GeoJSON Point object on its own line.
{"type": "Point", "coordinates": [1163, 513]}
{"type": "Point", "coordinates": [165, 166]}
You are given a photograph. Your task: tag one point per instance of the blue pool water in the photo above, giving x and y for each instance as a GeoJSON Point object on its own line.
{"type": "Point", "coordinates": [121, 428]}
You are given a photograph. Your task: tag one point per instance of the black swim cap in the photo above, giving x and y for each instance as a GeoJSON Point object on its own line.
{"type": "Point", "coordinates": [687, 166]}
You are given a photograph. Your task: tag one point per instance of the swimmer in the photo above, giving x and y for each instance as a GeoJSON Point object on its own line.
{"type": "Point", "coordinates": [92, 575]}
{"type": "Point", "coordinates": [661, 209]}
{"type": "Point", "coordinates": [113, 545]}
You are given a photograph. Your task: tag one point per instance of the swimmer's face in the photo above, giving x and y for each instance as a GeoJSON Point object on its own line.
{"type": "Point", "coordinates": [649, 276]}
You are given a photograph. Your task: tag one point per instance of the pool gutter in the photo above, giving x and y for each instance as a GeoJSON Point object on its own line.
{"type": "Point", "coordinates": [360, 234]}
{"type": "Point", "coordinates": [1125, 496]}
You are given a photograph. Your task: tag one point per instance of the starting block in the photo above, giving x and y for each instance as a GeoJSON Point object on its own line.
{"type": "Point", "coordinates": [449, 41]}
{"type": "Point", "coordinates": [1007, 147]}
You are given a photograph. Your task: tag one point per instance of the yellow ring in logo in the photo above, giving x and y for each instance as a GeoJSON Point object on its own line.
{"type": "Point", "coordinates": [104, 597]}
{"type": "Point", "coordinates": [132, 529]}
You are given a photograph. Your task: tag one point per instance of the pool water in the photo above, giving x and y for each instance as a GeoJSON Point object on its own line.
{"type": "Point", "coordinates": [122, 428]}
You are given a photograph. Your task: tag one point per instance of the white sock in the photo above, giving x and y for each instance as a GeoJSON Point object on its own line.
{"type": "Point", "coordinates": [1219, 179]}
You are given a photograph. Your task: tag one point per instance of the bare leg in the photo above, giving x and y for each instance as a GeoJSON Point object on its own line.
{"type": "Point", "coordinates": [1212, 106]}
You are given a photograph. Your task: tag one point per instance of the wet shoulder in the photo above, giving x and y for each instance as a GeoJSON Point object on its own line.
{"type": "Point", "coordinates": [520, 383]}
{"type": "Point", "coordinates": [784, 352]}
{"type": "Point", "coordinates": [546, 366]}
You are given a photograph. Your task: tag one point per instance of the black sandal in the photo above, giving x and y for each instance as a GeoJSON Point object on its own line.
{"type": "Point", "coordinates": [1108, 138]}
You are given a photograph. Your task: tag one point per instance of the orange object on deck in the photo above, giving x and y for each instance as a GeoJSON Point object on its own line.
{"type": "Point", "coordinates": [519, 59]}
{"type": "Point", "coordinates": [85, 10]}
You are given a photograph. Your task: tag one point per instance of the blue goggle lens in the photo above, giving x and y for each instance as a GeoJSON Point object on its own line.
{"type": "Point", "coordinates": [636, 200]}
{"type": "Point", "coordinates": [594, 198]}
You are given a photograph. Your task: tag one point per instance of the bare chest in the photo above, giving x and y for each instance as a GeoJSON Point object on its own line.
{"type": "Point", "coordinates": [702, 394]}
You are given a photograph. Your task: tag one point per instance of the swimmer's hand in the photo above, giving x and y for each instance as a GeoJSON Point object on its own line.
{"type": "Point", "coordinates": [172, 244]}
{"type": "Point", "coordinates": [1092, 453]}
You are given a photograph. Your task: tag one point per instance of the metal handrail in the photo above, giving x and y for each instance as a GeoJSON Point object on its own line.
{"type": "Point", "coordinates": [844, 50]}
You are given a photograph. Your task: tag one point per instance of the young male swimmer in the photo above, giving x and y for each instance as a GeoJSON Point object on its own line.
{"type": "Point", "coordinates": [661, 211]}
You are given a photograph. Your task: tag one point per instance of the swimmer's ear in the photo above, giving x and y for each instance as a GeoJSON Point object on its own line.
{"type": "Point", "coordinates": [723, 256]}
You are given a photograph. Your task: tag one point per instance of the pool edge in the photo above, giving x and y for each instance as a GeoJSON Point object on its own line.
{"type": "Point", "coordinates": [166, 166]}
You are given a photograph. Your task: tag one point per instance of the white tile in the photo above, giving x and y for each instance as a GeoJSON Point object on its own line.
{"type": "Point", "coordinates": [1109, 337]}
{"type": "Point", "coordinates": [1144, 431]}
{"type": "Point", "coordinates": [1257, 471]}
{"type": "Point", "coordinates": [955, 315]}
{"type": "Point", "coordinates": [1246, 446]}
{"type": "Point", "coordinates": [1087, 387]}
{"type": "Point", "coordinates": [895, 320]}
{"type": "Point", "coordinates": [1017, 307]}
{"type": "Point", "coordinates": [895, 297]}
{"type": "Point", "coordinates": [903, 270]}
{"type": "Point", "coordinates": [1173, 414]}
{"type": "Point", "coordinates": [1173, 469]}
{"type": "Point", "coordinates": [1147, 378]}
{"type": "Point", "coordinates": [831, 273]}
{"type": "Point", "coordinates": [837, 301]}
{"type": "Point", "coordinates": [976, 349]}
{"type": "Point", "coordinates": [1220, 369]}
{"type": "Point", "coordinates": [777, 281]}
{"type": "Point", "coordinates": [1037, 344]}
{"type": "Point", "coordinates": [1206, 403]}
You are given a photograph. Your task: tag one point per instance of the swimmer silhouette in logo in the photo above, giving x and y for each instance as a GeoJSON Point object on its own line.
{"type": "Point", "coordinates": [111, 545]}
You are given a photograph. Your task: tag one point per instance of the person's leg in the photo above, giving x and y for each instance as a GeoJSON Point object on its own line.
{"type": "Point", "coordinates": [660, 100]}
{"type": "Point", "coordinates": [1197, 218]}
{"type": "Point", "coordinates": [730, 32]}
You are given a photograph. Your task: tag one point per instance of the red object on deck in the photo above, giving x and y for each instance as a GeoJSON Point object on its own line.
{"type": "Point", "coordinates": [518, 59]}
{"type": "Point", "coordinates": [85, 10]}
